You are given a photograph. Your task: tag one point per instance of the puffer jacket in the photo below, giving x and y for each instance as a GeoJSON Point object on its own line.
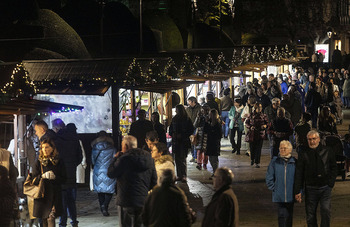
{"type": "Point", "coordinates": [102, 156]}
{"type": "Point", "coordinates": [280, 179]}
{"type": "Point", "coordinates": [136, 175]}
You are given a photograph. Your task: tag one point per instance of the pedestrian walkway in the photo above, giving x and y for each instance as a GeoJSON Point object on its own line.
{"type": "Point", "coordinates": [256, 208]}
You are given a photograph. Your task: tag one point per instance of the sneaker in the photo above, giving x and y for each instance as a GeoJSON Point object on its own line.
{"type": "Point", "coordinates": [251, 163]}
{"type": "Point", "coordinates": [199, 167]}
{"type": "Point", "coordinates": [257, 166]}
{"type": "Point", "coordinates": [204, 166]}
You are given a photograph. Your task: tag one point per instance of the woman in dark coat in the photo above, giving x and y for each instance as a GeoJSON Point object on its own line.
{"type": "Point", "coordinates": [102, 155]}
{"type": "Point", "coordinates": [180, 130]}
{"type": "Point", "coordinates": [327, 121]}
{"type": "Point", "coordinates": [52, 170]}
{"type": "Point", "coordinates": [280, 129]}
{"type": "Point", "coordinates": [213, 130]}
{"type": "Point", "coordinates": [7, 198]}
{"type": "Point", "coordinates": [256, 124]}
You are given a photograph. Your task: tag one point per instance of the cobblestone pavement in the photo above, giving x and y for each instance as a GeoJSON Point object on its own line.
{"type": "Point", "coordinates": [256, 208]}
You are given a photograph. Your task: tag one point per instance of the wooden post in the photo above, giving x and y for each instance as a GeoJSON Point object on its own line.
{"type": "Point", "coordinates": [132, 105]}
{"type": "Point", "coordinates": [169, 107]}
{"type": "Point", "coordinates": [115, 116]}
{"type": "Point", "coordinates": [209, 85]}
{"type": "Point", "coordinates": [15, 138]}
{"type": "Point", "coordinates": [218, 88]}
{"type": "Point", "coordinates": [150, 100]}
{"type": "Point", "coordinates": [196, 88]}
{"type": "Point", "coordinates": [232, 88]}
{"type": "Point", "coordinates": [162, 108]}
{"type": "Point", "coordinates": [21, 156]}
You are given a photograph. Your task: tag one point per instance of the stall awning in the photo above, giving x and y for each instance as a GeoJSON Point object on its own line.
{"type": "Point", "coordinates": [33, 106]}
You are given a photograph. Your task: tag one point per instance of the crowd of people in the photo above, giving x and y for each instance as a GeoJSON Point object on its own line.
{"type": "Point", "coordinates": [290, 111]}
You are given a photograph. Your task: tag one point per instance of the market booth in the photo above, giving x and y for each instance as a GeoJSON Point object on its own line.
{"type": "Point", "coordinates": [112, 90]}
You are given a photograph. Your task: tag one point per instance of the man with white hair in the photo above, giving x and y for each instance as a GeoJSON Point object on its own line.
{"type": "Point", "coordinates": [223, 208]}
{"type": "Point", "coordinates": [316, 171]}
{"type": "Point", "coordinates": [136, 174]}
{"type": "Point", "coordinates": [167, 204]}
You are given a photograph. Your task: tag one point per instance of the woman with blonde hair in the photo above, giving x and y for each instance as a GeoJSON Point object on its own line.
{"type": "Point", "coordinates": [50, 168]}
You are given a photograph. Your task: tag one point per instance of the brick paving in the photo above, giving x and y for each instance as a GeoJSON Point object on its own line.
{"type": "Point", "coordinates": [256, 208]}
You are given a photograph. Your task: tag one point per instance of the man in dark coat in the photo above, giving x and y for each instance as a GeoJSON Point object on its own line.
{"type": "Point", "coordinates": [223, 208]}
{"type": "Point", "coordinates": [316, 171]}
{"type": "Point", "coordinates": [68, 147]}
{"type": "Point", "coordinates": [140, 127]}
{"type": "Point", "coordinates": [211, 101]}
{"type": "Point", "coordinates": [262, 98]}
{"type": "Point", "coordinates": [312, 102]}
{"type": "Point", "coordinates": [136, 174]}
{"type": "Point", "coordinates": [167, 204]}
{"type": "Point", "coordinates": [158, 127]}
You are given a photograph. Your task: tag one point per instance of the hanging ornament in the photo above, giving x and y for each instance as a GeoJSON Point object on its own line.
{"type": "Point", "coordinates": [276, 54]}
{"type": "Point", "coordinates": [20, 85]}
{"type": "Point", "coordinates": [222, 66]}
{"type": "Point", "coordinates": [255, 55]}
{"type": "Point", "coordinates": [186, 69]}
{"type": "Point", "coordinates": [134, 75]}
{"type": "Point", "coordinates": [249, 56]}
{"type": "Point", "coordinates": [197, 66]}
{"type": "Point", "coordinates": [154, 72]}
{"type": "Point", "coordinates": [269, 55]}
{"type": "Point", "coordinates": [242, 60]}
{"type": "Point", "coordinates": [262, 57]}
{"type": "Point", "coordinates": [170, 70]}
{"type": "Point", "coordinates": [235, 58]}
{"type": "Point", "coordinates": [210, 66]}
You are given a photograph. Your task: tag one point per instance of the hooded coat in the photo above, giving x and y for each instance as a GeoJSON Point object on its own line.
{"type": "Point", "coordinates": [101, 157]}
{"type": "Point", "coordinates": [136, 175]}
{"type": "Point", "coordinates": [164, 162]}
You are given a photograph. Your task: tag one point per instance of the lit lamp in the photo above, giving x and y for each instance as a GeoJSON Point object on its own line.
{"type": "Point", "coordinates": [329, 34]}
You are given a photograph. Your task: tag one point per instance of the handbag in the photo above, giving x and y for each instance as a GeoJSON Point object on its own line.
{"type": "Point", "coordinates": [32, 190]}
{"type": "Point", "coordinates": [194, 138]}
{"type": "Point", "coordinates": [249, 137]}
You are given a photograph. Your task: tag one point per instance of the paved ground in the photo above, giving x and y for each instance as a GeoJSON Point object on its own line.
{"type": "Point", "coordinates": [256, 208]}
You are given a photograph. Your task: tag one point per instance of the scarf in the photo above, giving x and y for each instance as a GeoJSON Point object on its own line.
{"type": "Point", "coordinates": [45, 160]}
{"type": "Point", "coordinates": [286, 157]}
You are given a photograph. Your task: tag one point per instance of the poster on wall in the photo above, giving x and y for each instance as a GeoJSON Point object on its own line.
{"type": "Point", "coordinates": [324, 49]}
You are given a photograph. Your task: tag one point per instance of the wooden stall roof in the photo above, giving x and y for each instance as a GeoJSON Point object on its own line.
{"type": "Point", "coordinates": [33, 106]}
{"type": "Point", "coordinates": [162, 87]}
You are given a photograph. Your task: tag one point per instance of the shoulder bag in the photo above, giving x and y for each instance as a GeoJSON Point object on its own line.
{"type": "Point", "coordinates": [32, 190]}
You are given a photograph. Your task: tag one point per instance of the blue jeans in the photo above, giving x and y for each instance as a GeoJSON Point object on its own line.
{"type": "Point", "coordinates": [285, 214]}
{"type": "Point", "coordinates": [69, 196]}
{"type": "Point", "coordinates": [224, 118]}
{"type": "Point", "coordinates": [313, 196]}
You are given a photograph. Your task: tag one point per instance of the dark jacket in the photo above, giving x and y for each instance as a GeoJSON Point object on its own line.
{"type": "Point", "coordinates": [222, 210]}
{"type": "Point", "coordinates": [7, 202]}
{"type": "Point", "coordinates": [315, 167]}
{"type": "Point", "coordinates": [313, 100]}
{"type": "Point", "coordinates": [257, 120]}
{"type": "Point", "coordinates": [280, 129]}
{"type": "Point", "coordinates": [139, 129]}
{"type": "Point", "coordinates": [166, 206]}
{"type": "Point", "coordinates": [214, 135]}
{"type": "Point", "coordinates": [136, 175]}
{"type": "Point", "coordinates": [226, 103]}
{"type": "Point", "coordinates": [53, 189]}
{"type": "Point", "coordinates": [49, 134]}
{"type": "Point", "coordinates": [180, 131]}
{"type": "Point", "coordinates": [264, 100]}
{"type": "Point", "coordinates": [293, 106]}
{"type": "Point", "coordinates": [301, 131]}
{"type": "Point", "coordinates": [68, 146]}
{"type": "Point", "coordinates": [271, 113]}
{"type": "Point", "coordinates": [192, 112]}
{"type": "Point", "coordinates": [280, 179]}
{"type": "Point", "coordinates": [101, 157]}
{"type": "Point", "coordinates": [159, 128]}
{"type": "Point", "coordinates": [213, 105]}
